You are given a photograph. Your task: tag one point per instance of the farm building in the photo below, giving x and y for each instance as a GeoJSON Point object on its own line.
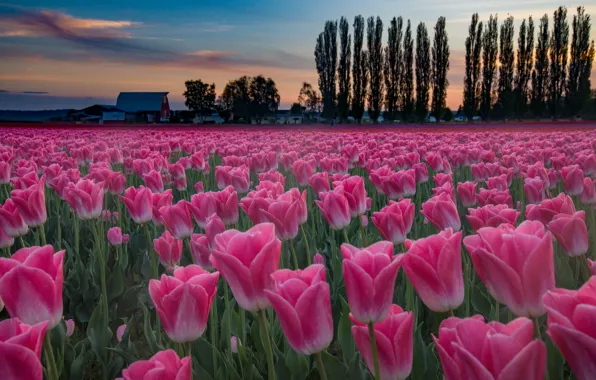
{"type": "Point", "coordinates": [147, 107]}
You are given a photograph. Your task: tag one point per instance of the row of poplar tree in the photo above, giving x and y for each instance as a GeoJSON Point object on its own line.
{"type": "Point", "coordinates": [549, 78]}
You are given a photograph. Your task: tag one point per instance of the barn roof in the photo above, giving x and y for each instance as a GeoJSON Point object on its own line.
{"type": "Point", "coordinates": [140, 101]}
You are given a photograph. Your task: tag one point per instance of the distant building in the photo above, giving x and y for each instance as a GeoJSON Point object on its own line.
{"type": "Point", "coordinates": [459, 116]}
{"type": "Point", "coordinates": [147, 107]}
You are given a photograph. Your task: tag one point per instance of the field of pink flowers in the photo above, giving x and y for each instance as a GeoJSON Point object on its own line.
{"type": "Point", "coordinates": [270, 254]}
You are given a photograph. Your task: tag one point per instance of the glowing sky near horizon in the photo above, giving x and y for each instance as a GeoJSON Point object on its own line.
{"type": "Point", "coordinates": [69, 53]}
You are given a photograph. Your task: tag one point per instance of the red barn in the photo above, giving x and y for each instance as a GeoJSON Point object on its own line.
{"type": "Point", "coordinates": [145, 106]}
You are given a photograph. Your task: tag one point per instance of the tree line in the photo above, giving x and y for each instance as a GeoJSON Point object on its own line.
{"type": "Point", "coordinates": [549, 78]}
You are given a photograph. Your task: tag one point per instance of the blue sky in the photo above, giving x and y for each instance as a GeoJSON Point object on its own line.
{"type": "Point", "coordinates": [72, 53]}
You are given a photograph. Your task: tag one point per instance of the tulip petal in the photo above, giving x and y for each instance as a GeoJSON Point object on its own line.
{"type": "Point", "coordinates": [18, 363]}
{"type": "Point", "coordinates": [539, 275]}
{"type": "Point", "coordinates": [471, 368]}
{"type": "Point", "coordinates": [528, 364]}
{"type": "Point", "coordinates": [425, 280]}
{"type": "Point", "coordinates": [579, 350]}
{"type": "Point", "coordinates": [289, 321]}
{"type": "Point", "coordinates": [314, 312]}
{"type": "Point", "coordinates": [237, 276]}
{"type": "Point", "coordinates": [358, 284]}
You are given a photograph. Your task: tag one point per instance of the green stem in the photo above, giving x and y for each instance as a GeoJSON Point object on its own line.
{"type": "Point", "coordinates": [59, 231]}
{"type": "Point", "coordinates": [537, 334]}
{"type": "Point", "coordinates": [497, 311]}
{"type": "Point", "coordinates": [451, 313]}
{"type": "Point", "coordinates": [155, 266]}
{"type": "Point", "coordinates": [320, 366]}
{"type": "Point", "coordinates": [102, 270]}
{"type": "Point", "coordinates": [363, 232]}
{"type": "Point", "coordinates": [22, 242]}
{"type": "Point", "coordinates": [6, 252]}
{"type": "Point", "coordinates": [308, 255]}
{"type": "Point", "coordinates": [293, 251]}
{"type": "Point", "coordinates": [189, 354]}
{"type": "Point", "coordinates": [42, 234]}
{"type": "Point", "coordinates": [228, 317]}
{"type": "Point", "coordinates": [266, 344]}
{"type": "Point", "coordinates": [77, 232]}
{"type": "Point", "coordinates": [243, 324]}
{"type": "Point", "coordinates": [346, 238]}
{"type": "Point", "coordinates": [50, 361]}
{"type": "Point", "coordinates": [213, 320]}
{"type": "Point", "coordinates": [375, 353]}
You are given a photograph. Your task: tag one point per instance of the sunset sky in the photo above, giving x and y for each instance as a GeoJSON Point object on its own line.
{"type": "Point", "coordinates": [70, 54]}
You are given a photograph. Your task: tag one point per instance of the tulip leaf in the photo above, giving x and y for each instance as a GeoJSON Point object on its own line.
{"type": "Point", "coordinates": [99, 333]}
{"type": "Point", "coordinates": [555, 360]}
{"type": "Point", "coordinates": [419, 365]}
{"type": "Point", "coordinates": [256, 338]}
{"type": "Point", "coordinates": [199, 372]}
{"type": "Point", "coordinates": [333, 366]}
{"type": "Point", "coordinates": [149, 333]}
{"type": "Point", "coordinates": [255, 374]}
{"type": "Point", "coordinates": [297, 364]}
{"type": "Point", "coordinates": [344, 333]}
{"type": "Point", "coordinates": [281, 370]}
{"type": "Point", "coordinates": [203, 352]}
{"type": "Point", "coordinates": [563, 273]}
{"type": "Point", "coordinates": [77, 369]}
{"type": "Point", "coordinates": [480, 300]}
{"type": "Point", "coordinates": [115, 284]}
{"type": "Point", "coordinates": [116, 365]}
{"type": "Point", "coordinates": [356, 369]}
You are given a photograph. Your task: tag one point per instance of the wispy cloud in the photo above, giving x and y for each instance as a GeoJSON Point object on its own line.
{"type": "Point", "coordinates": [35, 92]}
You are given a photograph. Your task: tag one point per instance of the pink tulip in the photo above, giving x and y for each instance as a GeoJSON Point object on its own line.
{"type": "Point", "coordinates": [467, 193]}
{"type": "Point", "coordinates": [515, 264]}
{"type": "Point", "coordinates": [285, 213]}
{"type": "Point", "coordinates": [302, 301]}
{"type": "Point", "coordinates": [355, 193]}
{"type": "Point", "coordinates": [31, 285]}
{"type": "Point", "coordinates": [400, 184]}
{"type": "Point", "coordinates": [11, 220]}
{"type": "Point", "coordinates": [70, 327]}
{"type": "Point", "coordinates": [199, 187]}
{"type": "Point", "coordinates": [177, 219]}
{"type": "Point", "coordinates": [591, 265]}
{"type": "Point", "coordinates": [433, 266]}
{"type": "Point", "coordinates": [369, 275]}
{"type": "Point", "coordinates": [498, 182]}
{"type": "Point", "coordinates": [395, 220]}
{"type": "Point", "coordinates": [534, 189]}
{"type": "Point", "coordinates": [20, 349]}
{"type": "Point", "coordinates": [177, 171]}
{"type": "Point", "coordinates": [441, 212]}
{"type": "Point", "coordinates": [234, 344]}
{"type": "Point", "coordinates": [238, 178]}
{"type": "Point", "coordinates": [223, 203]}
{"type": "Point", "coordinates": [139, 204]}
{"type": "Point", "coordinates": [571, 233]}
{"type": "Point", "coordinates": [573, 179]}
{"type": "Point", "coordinates": [5, 240]}
{"type": "Point", "coordinates": [442, 178]}
{"type": "Point", "coordinates": [471, 349]}
{"type": "Point", "coordinates": [115, 236]}
{"type": "Point", "coordinates": [319, 259]}
{"type": "Point", "coordinates": [335, 208]}
{"type": "Point", "coordinates": [253, 204]}
{"type": "Point", "coordinates": [319, 182]}
{"type": "Point", "coordinates": [588, 195]}
{"type": "Point", "coordinates": [31, 204]}
{"type": "Point", "coordinates": [4, 173]}
{"type": "Point", "coordinates": [120, 332]}
{"type": "Point", "coordinates": [183, 301]}
{"type": "Point", "coordinates": [168, 249]}
{"type": "Point", "coordinates": [85, 198]}
{"type": "Point", "coordinates": [165, 365]}
{"type": "Point", "coordinates": [303, 171]}
{"type": "Point", "coordinates": [446, 188]}
{"type": "Point", "coordinates": [421, 171]}
{"type": "Point", "coordinates": [435, 161]}
{"type": "Point", "coordinates": [395, 343]}
{"type": "Point", "coordinates": [273, 176]}
{"type": "Point", "coordinates": [246, 261]}
{"type": "Point", "coordinates": [548, 208]}
{"type": "Point", "coordinates": [158, 201]}
{"type": "Point", "coordinates": [494, 197]}
{"type": "Point", "coordinates": [201, 251]}
{"type": "Point", "coordinates": [116, 183]}
{"type": "Point", "coordinates": [492, 216]}
{"type": "Point", "coordinates": [273, 189]}
{"type": "Point", "coordinates": [571, 316]}
{"type": "Point", "coordinates": [154, 181]}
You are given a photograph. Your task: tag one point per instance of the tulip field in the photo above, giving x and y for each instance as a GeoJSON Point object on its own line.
{"type": "Point", "coordinates": [221, 254]}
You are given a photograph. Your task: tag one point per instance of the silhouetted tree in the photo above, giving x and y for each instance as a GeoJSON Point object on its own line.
{"type": "Point", "coordinates": [309, 98]}
{"type": "Point", "coordinates": [374, 38]}
{"type": "Point", "coordinates": [326, 62]}
{"type": "Point", "coordinates": [359, 70]}
{"type": "Point", "coordinates": [264, 97]}
{"type": "Point", "coordinates": [559, 47]}
{"type": "Point", "coordinates": [440, 67]}
{"type": "Point", "coordinates": [296, 109]}
{"type": "Point", "coordinates": [506, 61]}
{"type": "Point", "coordinates": [489, 64]}
{"type": "Point", "coordinates": [407, 70]}
{"type": "Point", "coordinates": [200, 97]}
{"type": "Point", "coordinates": [540, 73]}
{"type": "Point", "coordinates": [422, 71]}
{"type": "Point", "coordinates": [393, 59]}
{"type": "Point", "coordinates": [525, 61]}
{"type": "Point", "coordinates": [235, 98]}
{"type": "Point", "coordinates": [580, 67]}
{"type": "Point", "coordinates": [343, 69]}
{"type": "Point", "coordinates": [472, 88]}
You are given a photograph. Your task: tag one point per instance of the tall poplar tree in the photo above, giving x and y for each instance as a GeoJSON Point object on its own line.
{"type": "Point", "coordinates": [326, 62]}
{"type": "Point", "coordinates": [422, 71]}
{"type": "Point", "coordinates": [392, 69]}
{"type": "Point", "coordinates": [359, 70]}
{"type": "Point", "coordinates": [506, 61]}
{"type": "Point", "coordinates": [559, 48]}
{"type": "Point", "coordinates": [343, 69]}
{"type": "Point", "coordinates": [472, 88]}
{"type": "Point", "coordinates": [440, 67]}
{"type": "Point", "coordinates": [580, 67]}
{"type": "Point", "coordinates": [407, 70]}
{"type": "Point", "coordinates": [540, 72]}
{"type": "Point", "coordinates": [525, 61]}
{"type": "Point", "coordinates": [375, 67]}
{"type": "Point", "coordinates": [489, 64]}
